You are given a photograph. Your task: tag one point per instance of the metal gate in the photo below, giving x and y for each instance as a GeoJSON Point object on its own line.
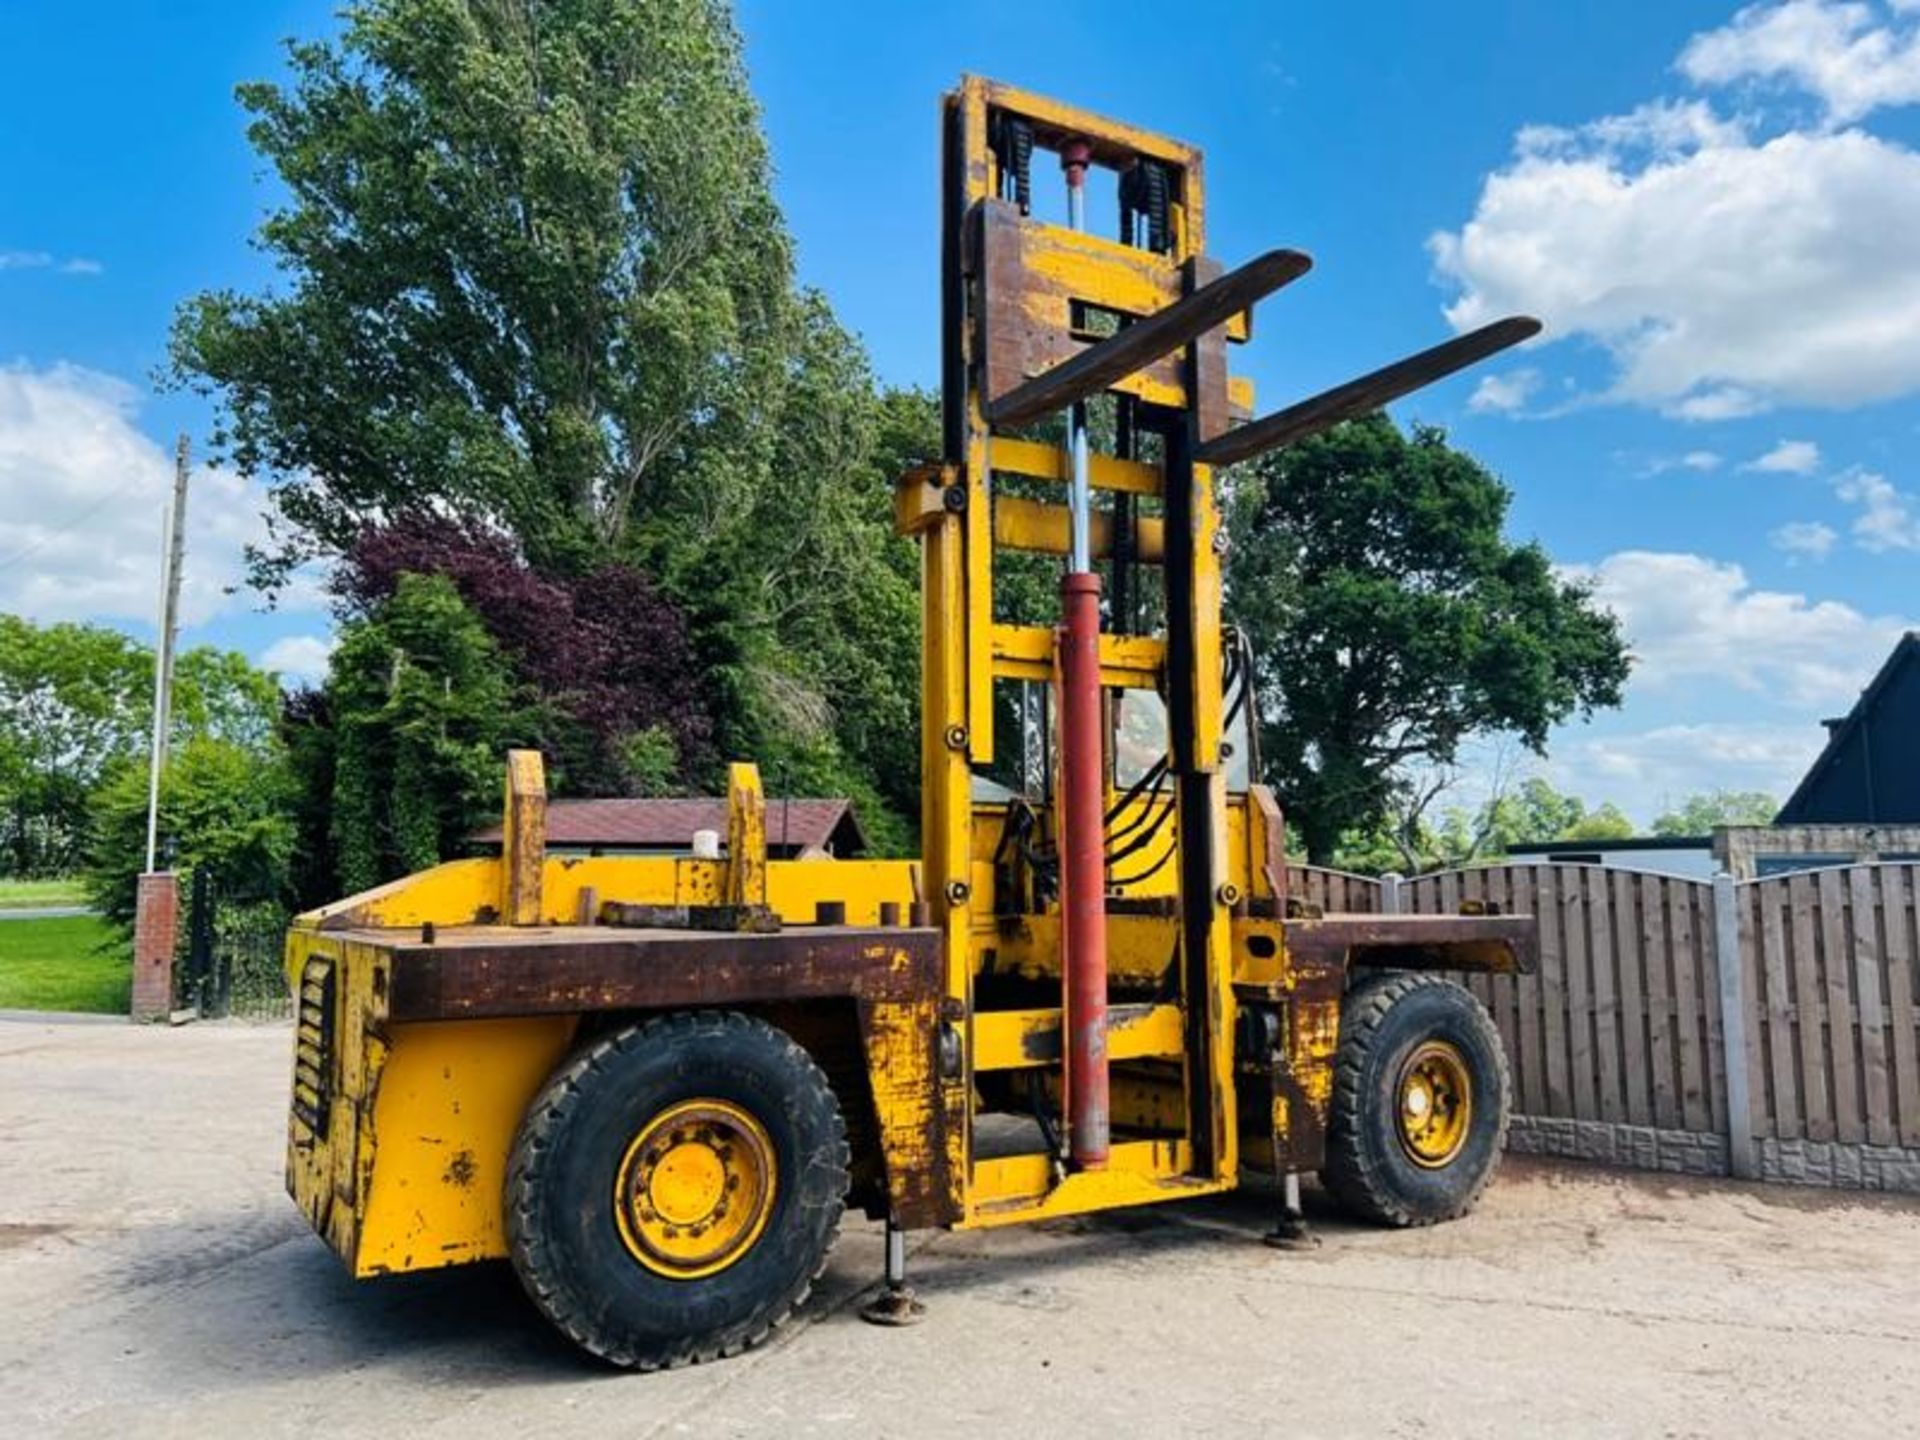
{"type": "Point", "coordinates": [235, 945]}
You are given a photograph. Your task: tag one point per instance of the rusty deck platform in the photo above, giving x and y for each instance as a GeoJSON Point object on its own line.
{"type": "Point", "coordinates": [486, 971]}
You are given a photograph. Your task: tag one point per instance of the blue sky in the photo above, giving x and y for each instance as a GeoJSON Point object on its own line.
{"type": "Point", "coordinates": [1713, 209]}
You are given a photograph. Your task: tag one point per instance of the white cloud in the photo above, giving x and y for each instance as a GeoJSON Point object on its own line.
{"type": "Point", "coordinates": [1694, 622]}
{"type": "Point", "coordinates": [1504, 394]}
{"type": "Point", "coordinates": [81, 495]}
{"type": "Point", "coordinates": [1889, 518]}
{"type": "Point", "coordinates": [1788, 457]}
{"type": "Point", "coordinates": [1727, 266]}
{"type": "Point", "coordinates": [1646, 771]}
{"type": "Point", "coordinates": [1659, 128]}
{"type": "Point", "coordinates": [1844, 54]}
{"type": "Point", "coordinates": [1805, 539]}
{"type": "Point", "coordinates": [1721, 402]}
{"type": "Point", "coordinates": [42, 260]}
{"type": "Point", "coordinates": [1701, 462]}
{"type": "Point", "coordinates": [298, 657]}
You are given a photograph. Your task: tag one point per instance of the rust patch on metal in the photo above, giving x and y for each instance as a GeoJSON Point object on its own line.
{"type": "Point", "coordinates": [1500, 944]}
{"type": "Point", "coordinates": [731, 919]}
{"type": "Point", "coordinates": [913, 1112]}
{"type": "Point", "coordinates": [461, 1170]}
{"type": "Point", "coordinates": [487, 972]}
{"type": "Point", "coordinates": [1298, 1069]}
{"type": "Point", "coordinates": [1273, 859]}
{"type": "Point", "coordinates": [1025, 311]}
{"type": "Point", "coordinates": [1211, 300]}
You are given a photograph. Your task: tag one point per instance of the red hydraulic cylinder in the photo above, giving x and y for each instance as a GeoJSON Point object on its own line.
{"type": "Point", "coordinates": [1084, 870]}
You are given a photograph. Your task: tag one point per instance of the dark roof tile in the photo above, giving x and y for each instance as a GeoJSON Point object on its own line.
{"type": "Point", "coordinates": [669, 824]}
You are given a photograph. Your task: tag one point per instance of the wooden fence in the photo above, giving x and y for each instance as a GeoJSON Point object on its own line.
{"type": "Point", "coordinates": [1338, 892]}
{"type": "Point", "coordinates": [1627, 1022]}
{"type": "Point", "coordinates": [1621, 1023]}
{"type": "Point", "coordinates": [1829, 959]}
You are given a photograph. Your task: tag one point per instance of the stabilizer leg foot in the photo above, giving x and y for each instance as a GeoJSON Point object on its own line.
{"type": "Point", "coordinates": [1291, 1231]}
{"type": "Point", "coordinates": [896, 1304]}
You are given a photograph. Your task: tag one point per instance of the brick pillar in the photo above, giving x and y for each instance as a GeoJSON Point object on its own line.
{"type": "Point", "coordinates": [156, 923]}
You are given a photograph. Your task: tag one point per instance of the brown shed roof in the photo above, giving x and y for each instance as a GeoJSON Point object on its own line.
{"type": "Point", "coordinates": [792, 825]}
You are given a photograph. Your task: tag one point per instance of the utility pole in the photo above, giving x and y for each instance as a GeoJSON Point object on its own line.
{"type": "Point", "coordinates": [174, 552]}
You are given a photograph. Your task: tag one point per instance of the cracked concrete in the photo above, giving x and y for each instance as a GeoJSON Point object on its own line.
{"type": "Point", "coordinates": [154, 1280]}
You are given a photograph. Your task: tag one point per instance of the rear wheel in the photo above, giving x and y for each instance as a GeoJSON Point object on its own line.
{"type": "Point", "coordinates": [675, 1189]}
{"type": "Point", "coordinates": [1420, 1099]}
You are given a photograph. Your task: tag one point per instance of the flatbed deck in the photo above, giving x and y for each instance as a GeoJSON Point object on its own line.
{"type": "Point", "coordinates": [1499, 943]}
{"type": "Point", "coordinates": [487, 971]}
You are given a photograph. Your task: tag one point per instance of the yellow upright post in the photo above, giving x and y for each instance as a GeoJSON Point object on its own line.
{"type": "Point", "coordinates": [746, 836]}
{"type": "Point", "coordinates": [523, 838]}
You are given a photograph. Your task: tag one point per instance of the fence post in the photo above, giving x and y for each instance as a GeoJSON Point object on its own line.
{"type": "Point", "coordinates": [1733, 1027]}
{"type": "Point", "coordinates": [1390, 893]}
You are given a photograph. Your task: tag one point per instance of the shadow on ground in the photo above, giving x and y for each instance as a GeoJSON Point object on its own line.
{"type": "Point", "coordinates": [255, 1300]}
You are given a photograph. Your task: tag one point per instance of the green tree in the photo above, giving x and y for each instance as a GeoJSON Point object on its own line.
{"type": "Point", "coordinates": [223, 695]}
{"type": "Point", "coordinates": [822, 598]}
{"type": "Point", "coordinates": [1391, 619]}
{"type": "Point", "coordinates": [1536, 813]}
{"type": "Point", "coordinates": [306, 729]}
{"type": "Point", "coordinates": [223, 804]}
{"type": "Point", "coordinates": [421, 709]}
{"type": "Point", "coordinates": [77, 700]}
{"type": "Point", "coordinates": [534, 281]}
{"type": "Point", "coordinates": [72, 699]}
{"type": "Point", "coordinates": [1608, 822]}
{"type": "Point", "coordinates": [533, 272]}
{"type": "Point", "coordinates": [1703, 813]}
{"type": "Point", "coordinates": [1409, 841]}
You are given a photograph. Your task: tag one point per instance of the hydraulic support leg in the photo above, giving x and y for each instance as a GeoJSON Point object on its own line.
{"type": "Point", "coordinates": [1291, 1231]}
{"type": "Point", "coordinates": [1083, 758]}
{"type": "Point", "coordinates": [896, 1304]}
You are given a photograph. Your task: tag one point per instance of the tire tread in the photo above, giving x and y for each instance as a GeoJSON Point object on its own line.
{"type": "Point", "coordinates": [1350, 1172]}
{"type": "Point", "coordinates": [526, 1198]}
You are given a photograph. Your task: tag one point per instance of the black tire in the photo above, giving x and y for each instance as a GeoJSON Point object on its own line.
{"type": "Point", "coordinates": [564, 1228]}
{"type": "Point", "coordinates": [1370, 1169]}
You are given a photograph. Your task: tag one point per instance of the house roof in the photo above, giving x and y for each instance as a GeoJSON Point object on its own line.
{"type": "Point", "coordinates": [1842, 736]}
{"type": "Point", "coordinates": [656, 824]}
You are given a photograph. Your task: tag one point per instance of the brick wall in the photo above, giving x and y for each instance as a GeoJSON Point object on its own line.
{"type": "Point", "coordinates": [155, 926]}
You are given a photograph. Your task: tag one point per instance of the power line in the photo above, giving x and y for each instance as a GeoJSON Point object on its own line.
{"type": "Point", "coordinates": [34, 547]}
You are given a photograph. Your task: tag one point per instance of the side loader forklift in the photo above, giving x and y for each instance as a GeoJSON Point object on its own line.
{"type": "Point", "coordinates": [655, 1082]}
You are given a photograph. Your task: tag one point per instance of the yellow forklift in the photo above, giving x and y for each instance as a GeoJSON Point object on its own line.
{"type": "Point", "coordinates": [655, 1082]}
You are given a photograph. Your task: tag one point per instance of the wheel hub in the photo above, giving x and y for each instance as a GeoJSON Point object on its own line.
{"type": "Point", "coordinates": [695, 1188]}
{"type": "Point", "coordinates": [1435, 1104]}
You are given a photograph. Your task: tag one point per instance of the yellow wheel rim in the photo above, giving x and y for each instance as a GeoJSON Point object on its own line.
{"type": "Point", "coordinates": [695, 1188]}
{"type": "Point", "coordinates": [1435, 1104]}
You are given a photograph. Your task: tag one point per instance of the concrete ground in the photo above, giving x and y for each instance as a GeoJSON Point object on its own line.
{"type": "Point", "coordinates": [154, 1280]}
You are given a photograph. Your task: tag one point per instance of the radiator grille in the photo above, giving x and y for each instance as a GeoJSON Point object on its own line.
{"type": "Point", "coordinates": [313, 1046]}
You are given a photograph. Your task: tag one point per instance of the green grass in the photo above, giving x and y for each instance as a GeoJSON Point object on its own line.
{"type": "Point", "coordinates": [35, 894]}
{"type": "Point", "coordinates": [75, 963]}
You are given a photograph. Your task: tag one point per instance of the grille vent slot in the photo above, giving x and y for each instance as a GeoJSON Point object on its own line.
{"type": "Point", "coordinates": [313, 1046]}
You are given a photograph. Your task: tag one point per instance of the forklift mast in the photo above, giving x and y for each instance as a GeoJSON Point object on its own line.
{"type": "Point", "coordinates": [1021, 297]}
{"type": "Point", "coordinates": [1086, 402]}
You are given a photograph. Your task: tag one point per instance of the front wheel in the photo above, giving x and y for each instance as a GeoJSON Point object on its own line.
{"type": "Point", "coordinates": [675, 1189]}
{"type": "Point", "coordinates": [1420, 1099]}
